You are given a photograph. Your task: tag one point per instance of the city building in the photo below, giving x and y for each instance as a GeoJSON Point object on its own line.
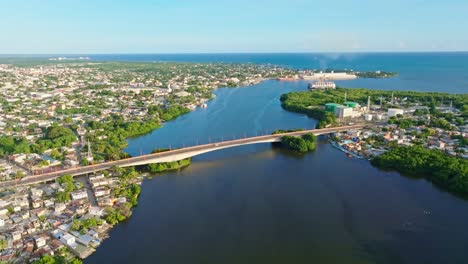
{"type": "Point", "coordinates": [394, 112]}
{"type": "Point", "coordinates": [81, 194]}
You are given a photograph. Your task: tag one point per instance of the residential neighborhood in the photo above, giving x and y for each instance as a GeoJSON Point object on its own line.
{"type": "Point", "coordinates": [50, 113]}
{"type": "Point", "coordinates": [70, 216]}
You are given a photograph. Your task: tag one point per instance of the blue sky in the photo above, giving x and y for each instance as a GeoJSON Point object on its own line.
{"type": "Point", "coordinates": [202, 26]}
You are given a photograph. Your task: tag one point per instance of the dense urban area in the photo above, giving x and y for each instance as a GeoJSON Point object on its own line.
{"type": "Point", "coordinates": [55, 116]}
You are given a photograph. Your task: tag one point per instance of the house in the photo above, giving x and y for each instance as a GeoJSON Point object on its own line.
{"type": "Point", "coordinates": [48, 203]}
{"type": "Point", "coordinates": [36, 192]}
{"type": "Point", "coordinates": [106, 202]}
{"type": "Point", "coordinates": [78, 195]}
{"type": "Point", "coordinates": [40, 242]}
{"type": "Point", "coordinates": [98, 183]}
{"type": "Point", "coordinates": [59, 208]}
{"type": "Point", "coordinates": [96, 211]}
{"type": "Point", "coordinates": [99, 192]}
{"type": "Point", "coordinates": [85, 239]}
{"type": "Point", "coordinates": [68, 240]}
{"type": "Point", "coordinates": [16, 235]}
{"type": "Point", "coordinates": [36, 203]}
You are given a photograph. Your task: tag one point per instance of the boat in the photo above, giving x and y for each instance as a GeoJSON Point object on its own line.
{"type": "Point", "coordinates": [322, 84]}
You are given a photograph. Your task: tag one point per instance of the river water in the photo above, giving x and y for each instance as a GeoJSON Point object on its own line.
{"type": "Point", "coordinates": [259, 204]}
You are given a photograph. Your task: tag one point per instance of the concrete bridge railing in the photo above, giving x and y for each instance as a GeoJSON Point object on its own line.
{"type": "Point", "coordinates": [169, 156]}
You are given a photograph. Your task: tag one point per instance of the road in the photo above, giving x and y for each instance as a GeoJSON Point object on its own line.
{"type": "Point", "coordinates": [150, 158]}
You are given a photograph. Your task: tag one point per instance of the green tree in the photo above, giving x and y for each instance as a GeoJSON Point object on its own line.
{"type": "Point", "coordinates": [62, 197]}
{"type": "Point", "coordinates": [3, 244]}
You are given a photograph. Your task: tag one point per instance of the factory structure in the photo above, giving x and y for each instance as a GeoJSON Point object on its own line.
{"type": "Point", "coordinates": [345, 110]}
{"type": "Point", "coordinates": [353, 110]}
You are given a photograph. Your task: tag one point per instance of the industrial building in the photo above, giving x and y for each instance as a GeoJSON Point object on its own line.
{"type": "Point", "coordinates": [331, 107]}
{"type": "Point", "coordinates": [343, 111]}
{"type": "Point", "coordinates": [394, 112]}
{"type": "Point", "coordinates": [351, 104]}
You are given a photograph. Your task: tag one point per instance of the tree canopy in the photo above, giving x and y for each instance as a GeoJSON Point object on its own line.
{"type": "Point", "coordinates": [446, 171]}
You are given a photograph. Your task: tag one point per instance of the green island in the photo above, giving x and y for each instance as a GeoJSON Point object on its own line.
{"type": "Point", "coordinates": [282, 131]}
{"type": "Point", "coordinates": [450, 173]}
{"type": "Point", "coordinates": [375, 74]}
{"type": "Point", "coordinates": [168, 166]}
{"type": "Point", "coordinates": [302, 144]}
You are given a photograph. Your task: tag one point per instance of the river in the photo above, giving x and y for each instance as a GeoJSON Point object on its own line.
{"type": "Point", "coordinates": [258, 204]}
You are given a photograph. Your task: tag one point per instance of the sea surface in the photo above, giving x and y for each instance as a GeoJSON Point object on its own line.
{"type": "Point", "coordinates": [260, 204]}
{"type": "Point", "coordinates": [441, 72]}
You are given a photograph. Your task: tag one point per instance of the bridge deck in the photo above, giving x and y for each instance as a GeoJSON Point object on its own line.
{"type": "Point", "coordinates": [152, 158]}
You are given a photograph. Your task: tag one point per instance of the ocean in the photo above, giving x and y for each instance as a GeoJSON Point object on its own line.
{"type": "Point", "coordinates": [438, 72]}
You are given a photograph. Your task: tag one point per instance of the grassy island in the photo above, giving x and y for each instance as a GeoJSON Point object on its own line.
{"type": "Point", "coordinates": [448, 172]}
{"type": "Point", "coordinates": [302, 144]}
{"type": "Point", "coordinates": [376, 74]}
{"type": "Point", "coordinates": [169, 166]}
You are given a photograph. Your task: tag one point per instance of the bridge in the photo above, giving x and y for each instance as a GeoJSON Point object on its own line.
{"type": "Point", "coordinates": [169, 156]}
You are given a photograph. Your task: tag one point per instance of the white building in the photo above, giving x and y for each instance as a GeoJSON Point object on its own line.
{"type": "Point", "coordinates": [40, 242]}
{"type": "Point", "coordinates": [60, 207]}
{"type": "Point", "coordinates": [96, 211]}
{"type": "Point", "coordinates": [343, 111]}
{"type": "Point", "coordinates": [99, 192]}
{"type": "Point", "coordinates": [3, 211]}
{"type": "Point", "coordinates": [79, 195]}
{"type": "Point", "coordinates": [394, 112]}
{"type": "Point", "coordinates": [68, 240]}
{"type": "Point", "coordinates": [16, 235]}
{"type": "Point", "coordinates": [36, 192]}
{"type": "Point", "coordinates": [48, 203]}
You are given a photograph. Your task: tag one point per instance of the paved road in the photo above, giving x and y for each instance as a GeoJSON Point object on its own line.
{"type": "Point", "coordinates": [224, 144]}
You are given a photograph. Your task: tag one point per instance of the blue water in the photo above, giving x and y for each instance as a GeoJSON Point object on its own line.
{"type": "Point", "coordinates": [442, 72]}
{"type": "Point", "coordinates": [234, 113]}
{"type": "Point", "coordinates": [258, 204]}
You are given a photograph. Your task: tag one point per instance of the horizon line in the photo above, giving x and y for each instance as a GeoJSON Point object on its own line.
{"type": "Point", "coordinates": [230, 53]}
